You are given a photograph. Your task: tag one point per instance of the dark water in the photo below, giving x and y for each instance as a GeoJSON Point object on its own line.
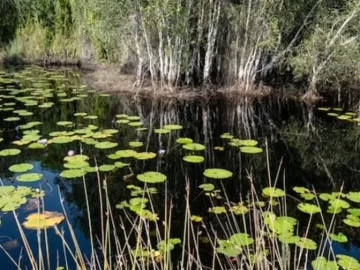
{"type": "Point", "coordinates": [305, 147]}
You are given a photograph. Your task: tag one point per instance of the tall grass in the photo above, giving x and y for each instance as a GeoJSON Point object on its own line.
{"type": "Point", "coordinates": [134, 241]}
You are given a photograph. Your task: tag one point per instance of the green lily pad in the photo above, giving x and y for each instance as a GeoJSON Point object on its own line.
{"type": "Point", "coordinates": [321, 263]}
{"type": "Point", "coordinates": [184, 140]}
{"type": "Point", "coordinates": [241, 239]}
{"type": "Point", "coordinates": [354, 196]}
{"type": "Point", "coordinates": [135, 124]}
{"type": "Point", "coordinates": [121, 165]}
{"type": "Point", "coordinates": [161, 131]}
{"type": "Point", "coordinates": [78, 164]}
{"type": "Point", "coordinates": [9, 152]}
{"type": "Point", "coordinates": [304, 243]}
{"type": "Point", "coordinates": [250, 150]}
{"type": "Point", "coordinates": [106, 145]}
{"type": "Point", "coordinates": [21, 167]}
{"type": "Point", "coordinates": [72, 173]}
{"type": "Point", "coordinates": [106, 168]}
{"type": "Point", "coordinates": [91, 117]}
{"type": "Point", "coordinates": [121, 115]}
{"type": "Point", "coordinates": [61, 140]}
{"type": "Point", "coordinates": [151, 177]}
{"type": "Point", "coordinates": [110, 131]}
{"type": "Point", "coordinates": [79, 114]}
{"type": "Point", "coordinates": [136, 144]}
{"type": "Point", "coordinates": [352, 223]}
{"type": "Point", "coordinates": [194, 147]}
{"type": "Point", "coordinates": [347, 262]}
{"type": "Point", "coordinates": [207, 187]}
{"type": "Point", "coordinates": [29, 177]}
{"type": "Point", "coordinates": [36, 145]}
{"type": "Point", "coordinates": [273, 192]}
{"type": "Point", "coordinates": [145, 155]}
{"type": "Point", "coordinates": [12, 119]}
{"type": "Point", "coordinates": [126, 153]}
{"type": "Point", "coordinates": [64, 123]}
{"type": "Point", "coordinates": [123, 121]}
{"type": "Point", "coordinates": [217, 173]}
{"type": "Point", "coordinates": [133, 118]}
{"type": "Point", "coordinates": [173, 127]}
{"type": "Point", "coordinates": [341, 238]}
{"type": "Point", "coordinates": [194, 159]}
{"type": "Point", "coordinates": [309, 208]}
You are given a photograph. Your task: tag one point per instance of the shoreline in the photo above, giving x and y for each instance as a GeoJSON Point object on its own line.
{"type": "Point", "coordinates": [108, 78]}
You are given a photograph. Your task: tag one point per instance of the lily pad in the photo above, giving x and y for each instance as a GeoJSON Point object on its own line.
{"type": "Point", "coordinates": [308, 208]}
{"type": "Point", "coordinates": [173, 127]}
{"type": "Point", "coordinates": [126, 153]}
{"type": "Point", "coordinates": [136, 144]}
{"type": "Point", "coordinates": [22, 167]}
{"type": "Point", "coordinates": [145, 155]}
{"type": "Point", "coordinates": [207, 187]}
{"type": "Point", "coordinates": [341, 238]}
{"type": "Point", "coordinates": [29, 177]}
{"type": "Point", "coordinates": [273, 192]}
{"type": "Point", "coordinates": [12, 119]}
{"type": "Point", "coordinates": [161, 131]}
{"type": "Point", "coordinates": [251, 150]}
{"type": "Point", "coordinates": [72, 173]}
{"type": "Point", "coordinates": [106, 145]}
{"type": "Point", "coordinates": [184, 140]}
{"type": "Point", "coordinates": [217, 173]}
{"type": "Point", "coordinates": [194, 146]}
{"type": "Point", "coordinates": [38, 221]}
{"type": "Point", "coordinates": [121, 165]}
{"type": "Point", "coordinates": [9, 152]}
{"type": "Point", "coordinates": [194, 159]}
{"type": "Point", "coordinates": [106, 168]}
{"type": "Point", "coordinates": [151, 177]}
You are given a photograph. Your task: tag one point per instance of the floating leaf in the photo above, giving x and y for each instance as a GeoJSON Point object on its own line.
{"type": "Point", "coordinates": [250, 150]}
{"type": "Point", "coordinates": [12, 119]}
{"type": "Point", "coordinates": [106, 168]}
{"type": "Point", "coordinates": [46, 219]}
{"type": "Point", "coordinates": [321, 263]}
{"type": "Point", "coordinates": [135, 124]}
{"type": "Point", "coordinates": [36, 145]}
{"type": "Point", "coordinates": [64, 123]}
{"type": "Point", "coordinates": [301, 190]}
{"type": "Point", "coordinates": [135, 144]}
{"type": "Point", "coordinates": [9, 152]}
{"type": "Point", "coordinates": [22, 167]}
{"type": "Point", "coordinates": [73, 173]}
{"type": "Point", "coordinates": [184, 140]}
{"type": "Point", "coordinates": [304, 243]}
{"type": "Point", "coordinates": [105, 145]}
{"type": "Point", "coordinates": [341, 238]}
{"type": "Point", "coordinates": [347, 262]}
{"type": "Point", "coordinates": [194, 159]}
{"type": "Point", "coordinates": [217, 173]}
{"type": "Point", "coordinates": [273, 192]}
{"type": "Point", "coordinates": [354, 196]}
{"type": "Point", "coordinates": [241, 239]}
{"type": "Point", "coordinates": [29, 177]}
{"type": "Point", "coordinates": [126, 153]}
{"type": "Point", "coordinates": [145, 155]}
{"type": "Point", "coordinates": [121, 165]}
{"type": "Point", "coordinates": [151, 177]}
{"type": "Point", "coordinates": [172, 127]}
{"type": "Point", "coordinates": [161, 131]}
{"type": "Point", "coordinates": [194, 146]}
{"type": "Point", "coordinates": [207, 187]}
{"type": "Point", "coordinates": [308, 208]}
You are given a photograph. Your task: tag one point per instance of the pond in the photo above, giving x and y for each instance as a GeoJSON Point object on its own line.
{"type": "Point", "coordinates": [140, 178]}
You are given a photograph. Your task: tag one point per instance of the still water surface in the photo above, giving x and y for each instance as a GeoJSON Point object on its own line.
{"type": "Point", "coordinates": [304, 146]}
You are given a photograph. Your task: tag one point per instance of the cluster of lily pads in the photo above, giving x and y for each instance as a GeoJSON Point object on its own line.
{"type": "Point", "coordinates": [341, 115]}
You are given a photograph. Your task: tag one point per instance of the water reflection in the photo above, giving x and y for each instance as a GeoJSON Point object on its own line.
{"type": "Point", "coordinates": [305, 148]}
